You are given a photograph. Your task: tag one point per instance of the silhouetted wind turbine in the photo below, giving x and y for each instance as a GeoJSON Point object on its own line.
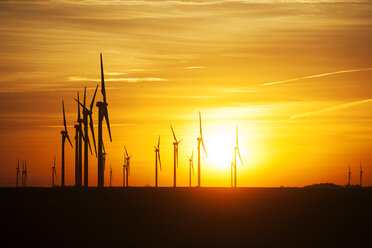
{"type": "Point", "coordinates": [54, 173]}
{"type": "Point", "coordinates": [236, 149]}
{"type": "Point", "coordinates": [200, 141]}
{"type": "Point", "coordinates": [175, 156]}
{"type": "Point", "coordinates": [64, 136]}
{"type": "Point", "coordinates": [348, 184]}
{"type": "Point", "coordinates": [78, 147]}
{"type": "Point", "coordinates": [104, 157]}
{"type": "Point", "coordinates": [361, 174]}
{"type": "Point", "coordinates": [157, 156]}
{"type": "Point", "coordinates": [24, 174]}
{"type": "Point", "coordinates": [127, 165]}
{"type": "Point", "coordinates": [232, 174]}
{"type": "Point", "coordinates": [191, 166]}
{"type": "Point", "coordinates": [88, 112]}
{"type": "Point", "coordinates": [110, 175]}
{"type": "Point", "coordinates": [18, 174]}
{"type": "Point", "coordinates": [102, 113]}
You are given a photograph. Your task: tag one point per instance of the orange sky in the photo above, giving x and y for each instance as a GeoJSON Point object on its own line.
{"type": "Point", "coordinates": [294, 76]}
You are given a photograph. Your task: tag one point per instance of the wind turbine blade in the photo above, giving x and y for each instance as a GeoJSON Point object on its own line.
{"type": "Point", "coordinates": [240, 156]}
{"type": "Point", "coordinates": [54, 161]}
{"type": "Point", "coordinates": [80, 104]}
{"type": "Point", "coordinates": [103, 90]}
{"type": "Point", "coordinates": [82, 135]}
{"type": "Point", "coordinates": [192, 155]}
{"type": "Point", "coordinates": [179, 141]}
{"type": "Point", "coordinates": [160, 161]}
{"type": "Point", "coordinates": [192, 166]}
{"type": "Point", "coordinates": [64, 115]}
{"type": "Point", "coordinates": [108, 123]}
{"type": "Point", "coordinates": [103, 145]}
{"type": "Point", "coordinates": [201, 132]}
{"type": "Point", "coordinates": [204, 149]}
{"type": "Point", "coordinates": [174, 135]}
{"type": "Point", "coordinates": [94, 97]}
{"type": "Point", "coordinates": [126, 151]}
{"type": "Point", "coordinates": [68, 138]}
{"type": "Point", "coordinates": [92, 131]}
{"type": "Point", "coordinates": [90, 148]}
{"type": "Point", "coordinates": [159, 142]}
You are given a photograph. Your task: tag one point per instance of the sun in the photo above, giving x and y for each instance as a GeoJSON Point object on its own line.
{"type": "Point", "coordinates": [220, 148]}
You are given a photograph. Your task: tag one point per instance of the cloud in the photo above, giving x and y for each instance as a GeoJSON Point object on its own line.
{"type": "Point", "coordinates": [333, 108]}
{"type": "Point", "coordinates": [130, 80]}
{"type": "Point", "coordinates": [194, 67]}
{"type": "Point", "coordinates": [316, 76]}
{"type": "Point", "coordinates": [176, 2]}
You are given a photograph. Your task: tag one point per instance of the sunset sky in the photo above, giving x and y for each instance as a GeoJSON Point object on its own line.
{"type": "Point", "coordinates": [294, 76]}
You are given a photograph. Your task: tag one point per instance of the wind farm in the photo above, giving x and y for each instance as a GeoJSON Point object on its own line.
{"type": "Point", "coordinates": [186, 123]}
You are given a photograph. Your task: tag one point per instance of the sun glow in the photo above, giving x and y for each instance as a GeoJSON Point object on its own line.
{"type": "Point", "coordinates": [220, 148]}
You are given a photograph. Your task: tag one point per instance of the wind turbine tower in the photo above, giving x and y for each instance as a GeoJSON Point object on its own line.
{"type": "Point", "coordinates": [232, 174]}
{"type": "Point", "coordinates": [110, 175]}
{"type": "Point", "coordinates": [191, 166]}
{"type": "Point", "coordinates": [127, 166]}
{"type": "Point", "coordinates": [361, 174]}
{"type": "Point", "coordinates": [102, 113]}
{"type": "Point", "coordinates": [64, 136]}
{"type": "Point", "coordinates": [157, 157]}
{"type": "Point", "coordinates": [236, 150]}
{"type": "Point", "coordinates": [175, 157]}
{"type": "Point", "coordinates": [200, 141]}
{"type": "Point", "coordinates": [24, 175]}
{"type": "Point", "coordinates": [18, 174]}
{"type": "Point", "coordinates": [54, 173]}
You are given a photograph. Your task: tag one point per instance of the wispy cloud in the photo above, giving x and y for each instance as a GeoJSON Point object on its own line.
{"type": "Point", "coordinates": [177, 2]}
{"type": "Point", "coordinates": [131, 80]}
{"type": "Point", "coordinates": [115, 73]}
{"type": "Point", "coordinates": [316, 76]}
{"type": "Point", "coordinates": [333, 108]}
{"type": "Point", "coordinates": [194, 67]}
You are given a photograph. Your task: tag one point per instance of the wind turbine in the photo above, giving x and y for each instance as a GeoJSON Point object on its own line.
{"type": "Point", "coordinates": [78, 147]}
{"type": "Point", "coordinates": [157, 156]}
{"type": "Point", "coordinates": [175, 156]}
{"type": "Point", "coordinates": [127, 166]}
{"type": "Point", "coordinates": [24, 175]}
{"type": "Point", "coordinates": [64, 136]}
{"type": "Point", "coordinates": [232, 174]}
{"type": "Point", "coordinates": [200, 141]}
{"type": "Point", "coordinates": [54, 173]}
{"type": "Point", "coordinates": [88, 112]}
{"type": "Point", "coordinates": [18, 174]}
{"type": "Point", "coordinates": [191, 165]}
{"type": "Point", "coordinates": [102, 113]}
{"type": "Point", "coordinates": [110, 175]}
{"type": "Point", "coordinates": [361, 174]}
{"type": "Point", "coordinates": [236, 149]}
{"type": "Point", "coordinates": [348, 184]}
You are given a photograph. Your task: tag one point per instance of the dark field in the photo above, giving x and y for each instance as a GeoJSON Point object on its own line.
{"type": "Point", "coordinates": [183, 217]}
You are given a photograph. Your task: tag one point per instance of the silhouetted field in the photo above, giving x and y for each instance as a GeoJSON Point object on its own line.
{"type": "Point", "coordinates": [184, 217]}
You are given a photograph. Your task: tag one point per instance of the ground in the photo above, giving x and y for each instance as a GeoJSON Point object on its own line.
{"type": "Point", "coordinates": [186, 217]}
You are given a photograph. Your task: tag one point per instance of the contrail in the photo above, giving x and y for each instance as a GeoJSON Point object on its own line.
{"type": "Point", "coordinates": [316, 76]}
{"type": "Point", "coordinates": [337, 107]}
